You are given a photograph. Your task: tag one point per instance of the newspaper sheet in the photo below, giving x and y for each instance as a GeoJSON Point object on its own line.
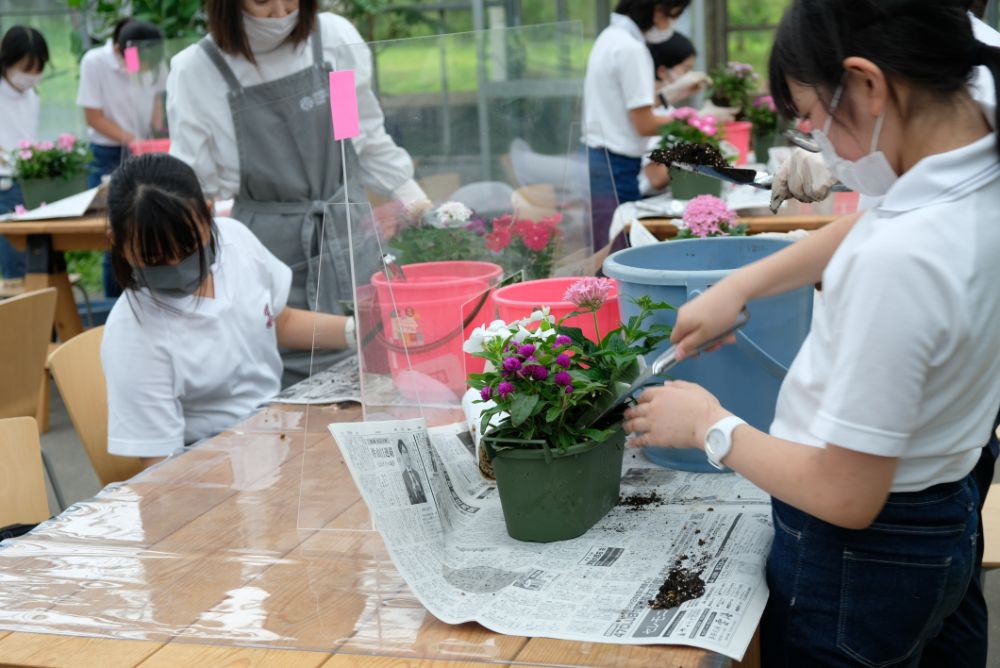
{"type": "Point", "coordinates": [339, 383]}
{"type": "Point", "coordinates": [444, 528]}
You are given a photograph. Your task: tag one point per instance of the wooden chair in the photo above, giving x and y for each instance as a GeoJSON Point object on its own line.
{"type": "Point", "coordinates": [25, 333]}
{"type": "Point", "coordinates": [22, 483]}
{"type": "Point", "coordinates": [76, 367]}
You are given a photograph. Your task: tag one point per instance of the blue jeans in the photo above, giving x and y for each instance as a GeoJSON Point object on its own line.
{"type": "Point", "coordinates": [873, 597]}
{"type": "Point", "coordinates": [106, 160]}
{"type": "Point", "coordinates": [12, 261]}
{"type": "Point", "coordinates": [614, 180]}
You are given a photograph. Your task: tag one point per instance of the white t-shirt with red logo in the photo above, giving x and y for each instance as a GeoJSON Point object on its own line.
{"type": "Point", "coordinates": [181, 369]}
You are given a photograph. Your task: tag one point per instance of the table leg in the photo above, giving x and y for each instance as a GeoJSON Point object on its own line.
{"type": "Point", "coordinates": [47, 268]}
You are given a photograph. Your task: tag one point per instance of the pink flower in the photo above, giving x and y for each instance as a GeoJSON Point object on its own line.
{"type": "Point", "coordinates": [498, 240]}
{"type": "Point", "coordinates": [706, 214]}
{"type": "Point", "coordinates": [536, 236]}
{"type": "Point", "coordinates": [24, 143]}
{"type": "Point", "coordinates": [66, 141]}
{"type": "Point", "coordinates": [25, 154]}
{"type": "Point", "coordinates": [589, 293]}
{"type": "Point", "coordinates": [503, 222]}
{"type": "Point", "coordinates": [765, 101]}
{"type": "Point", "coordinates": [46, 146]}
{"type": "Point", "coordinates": [20, 210]}
{"type": "Point", "coordinates": [682, 113]}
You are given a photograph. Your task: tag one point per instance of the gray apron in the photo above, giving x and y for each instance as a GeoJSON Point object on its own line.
{"type": "Point", "coordinates": [290, 168]}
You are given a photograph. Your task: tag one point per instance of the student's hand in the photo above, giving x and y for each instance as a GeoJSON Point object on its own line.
{"type": "Point", "coordinates": [721, 114]}
{"type": "Point", "coordinates": [706, 316]}
{"type": "Point", "coordinates": [676, 415]}
{"type": "Point", "coordinates": [684, 86]}
{"type": "Point", "coordinates": [804, 177]}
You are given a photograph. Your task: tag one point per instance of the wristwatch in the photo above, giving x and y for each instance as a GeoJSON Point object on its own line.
{"type": "Point", "coordinates": [350, 335]}
{"type": "Point", "coordinates": [719, 439]}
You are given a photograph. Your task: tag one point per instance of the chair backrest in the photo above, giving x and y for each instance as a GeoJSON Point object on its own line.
{"type": "Point", "coordinates": [22, 483]}
{"type": "Point", "coordinates": [25, 332]}
{"type": "Point", "coordinates": [76, 366]}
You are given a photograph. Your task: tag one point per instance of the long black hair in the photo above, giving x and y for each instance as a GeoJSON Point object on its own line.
{"type": "Point", "coordinates": [815, 36]}
{"type": "Point", "coordinates": [20, 42]}
{"type": "Point", "coordinates": [130, 32]}
{"type": "Point", "coordinates": [158, 214]}
{"type": "Point", "coordinates": [641, 11]}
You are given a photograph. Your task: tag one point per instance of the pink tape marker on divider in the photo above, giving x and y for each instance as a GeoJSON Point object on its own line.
{"type": "Point", "coordinates": [131, 59]}
{"type": "Point", "coordinates": [344, 105]}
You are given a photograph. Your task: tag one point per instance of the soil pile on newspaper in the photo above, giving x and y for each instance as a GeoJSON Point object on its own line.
{"type": "Point", "coordinates": [690, 154]}
{"type": "Point", "coordinates": [638, 501]}
{"type": "Point", "coordinates": [681, 585]}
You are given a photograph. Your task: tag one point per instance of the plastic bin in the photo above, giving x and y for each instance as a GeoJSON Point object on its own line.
{"type": "Point", "coordinates": [517, 301]}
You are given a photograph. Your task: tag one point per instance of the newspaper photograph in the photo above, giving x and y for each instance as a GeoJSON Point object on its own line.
{"type": "Point", "coordinates": [679, 561]}
{"type": "Point", "coordinates": [341, 382]}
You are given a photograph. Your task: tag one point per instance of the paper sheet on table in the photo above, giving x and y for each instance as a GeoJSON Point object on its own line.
{"type": "Point", "coordinates": [69, 207]}
{"type": "Point", "coordinates": [340, 382]}
{"type": "Point", "coordinates": [443, 526]}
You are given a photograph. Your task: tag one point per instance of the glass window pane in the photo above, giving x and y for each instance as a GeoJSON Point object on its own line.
{"type": "Point", "coordinates": [753, 47]}
{"type": "Point", "coordinates": [755, 12]}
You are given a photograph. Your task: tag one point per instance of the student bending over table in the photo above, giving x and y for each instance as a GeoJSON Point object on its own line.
{"type": "Point", "coordinates": [193, 348]}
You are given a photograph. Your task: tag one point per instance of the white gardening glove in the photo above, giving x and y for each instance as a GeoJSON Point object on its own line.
{"type": "Point", "coordinates": [721, 114]}
{"type": "Point", "coordinates": [684, 86]}
{"type": "Point", "coordinates": [804, 177]}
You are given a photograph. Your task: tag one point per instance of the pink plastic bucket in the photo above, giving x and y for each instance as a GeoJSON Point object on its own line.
{"type": "Point", "coordinates": [738, 134]}
{"type": "Point", "coordinates": [143, 146]}
{"type": "Point", "coordinates": [436, 308]}
{"type": "Point", "coordinates": [515, 302]}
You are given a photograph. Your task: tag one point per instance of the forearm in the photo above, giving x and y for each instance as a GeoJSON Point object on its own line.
{"type": "Point", "coordinates": [646, 123]}
{"type": "Point", "coordinates": [146, 462]}
{"type": "Point", "coordinates": [826, 482]}
{"type": "Point", "coordinates": [304, 330]}
{"type": "Point", "coordinates": [801, 264]}
{"type": "Point", "coordinates": [97, 120]}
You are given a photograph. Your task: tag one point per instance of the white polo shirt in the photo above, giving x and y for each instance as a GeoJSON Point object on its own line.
{"type": "Point", "coordinates": [620, 77]}
{"type": "Point", "coordinates": [904, 358]}
{"type": "Point", "coordinates": [19, 111]}
{"type": "Point", "coordinates": [187, 368]}
{"type": "Point", "coordinates": [201, 123]}
{"type": "Point", "coordinates": [127, 99]}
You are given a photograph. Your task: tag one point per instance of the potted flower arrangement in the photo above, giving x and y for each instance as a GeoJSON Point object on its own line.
{"type": "Point", "coordinates": [708, 216]}
{"type": "Point", "coordinates": [49, 171]}
{"type": "Point", "coordinates": [691, 137]}
{"type": "Point", "coordinates": [453, 231]}
{"type": "Point", "coordinates": [733, 85]}
{"type": "Point", "coordinates": [766, 126]}
{"type": "Point", "coordinates": [557, 474]}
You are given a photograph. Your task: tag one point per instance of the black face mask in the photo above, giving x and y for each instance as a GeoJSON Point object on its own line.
{"type": "Point", "coordinates": [177, 280]}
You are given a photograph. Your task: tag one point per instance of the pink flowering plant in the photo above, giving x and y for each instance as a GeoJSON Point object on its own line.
{"type": "Point", "coordinates": [64, 158]}
{"type": "Point", "coordinates": [708, 216]}
{"type": "Point", "coordinates": [733, 84]}
{"type": "Point", "coordinates": [545, 380]}
{"type": "Point", "coordinates": [764, 115]}
{"type": "Point", "coordinates": [687, 126]}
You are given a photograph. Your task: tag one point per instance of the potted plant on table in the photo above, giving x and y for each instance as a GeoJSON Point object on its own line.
{"type": "Point", "coordinates": [733, 86]}
{"type": "Point", "coordinates": [691, 137]}
{"type": "Point", "coordinates": [558, 474]}
{"type": "Point", "coordinates": [49, 171]}
{"type": "Point", "coordinates": [708, 216]}
{"type": "Point", "coordinates": [766, 126]}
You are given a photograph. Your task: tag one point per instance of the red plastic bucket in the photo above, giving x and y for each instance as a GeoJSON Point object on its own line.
{"type": "Point", "coordinates": [143, 146]}
{"type": "Point", "coordinates": [737, 133]}
{"type": "Point", "coordinates": [428, 316]}
{"type": "Point", "coordinates": [516, 302]}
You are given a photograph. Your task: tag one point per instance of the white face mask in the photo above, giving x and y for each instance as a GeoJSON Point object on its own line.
{"type": "Point", "coordinates": [22, 80]}
{"type": "Point", "coordinates": [872, 175]}
{"type": "Point", "coordinates": [658, 35]}
{"type": "Point", "coordinates": [266, 35]}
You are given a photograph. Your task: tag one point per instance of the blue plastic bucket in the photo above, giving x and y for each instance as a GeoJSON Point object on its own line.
{"type": "Point", "coordinates": [746, 376]}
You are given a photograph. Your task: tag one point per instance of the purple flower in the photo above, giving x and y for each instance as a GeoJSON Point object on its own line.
{"type": "Point", "coordinates": [537, 371]}
{"type": "Point", "coordinates": [476, 225]}
{"type": "Point", "coordinates": [511, 364]}
{"type": "Point", "coordinates": [486, 393]}
{"type": "Point", "coordinates": [569, 389]}
{"type": "Point", "coordinates": [563, 360]}
{"type": "Point", "coordinates": [505, 389]}
{"type": "Point", "coordinates": [562, 340]}
{"type": "Point", "coordinates": [563, 378]}
{"type": "Point", "coordinates": [527, 350]}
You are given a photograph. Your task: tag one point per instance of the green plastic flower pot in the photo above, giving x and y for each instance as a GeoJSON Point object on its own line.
{"type": "Point", "coordinates": [686, 185]}
{"type": "Point", "coordinates": [548, 495]}
{"type": "Point", "coordinates": [37, 191]}
{"type": "Point", "coordinates": [764, 143]}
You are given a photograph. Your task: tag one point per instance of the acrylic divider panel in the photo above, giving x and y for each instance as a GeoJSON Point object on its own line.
{"type": "Point", "coordinates": [148, 65]}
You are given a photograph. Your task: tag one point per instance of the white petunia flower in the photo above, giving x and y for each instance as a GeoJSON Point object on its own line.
{"type": "Point", "coordinates": [452, 214]}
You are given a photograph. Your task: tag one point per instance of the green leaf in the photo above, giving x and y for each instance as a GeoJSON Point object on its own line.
{"type": "Point", "coordinates": [521, 407]}
{"type": "Point", "coordinates": [553, 413]}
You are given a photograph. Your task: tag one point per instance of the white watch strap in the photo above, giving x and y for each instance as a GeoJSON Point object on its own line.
{"type": "Point", "coordinates": [350, 334]}
{"type": "Point", "coordinates": [726, 426]}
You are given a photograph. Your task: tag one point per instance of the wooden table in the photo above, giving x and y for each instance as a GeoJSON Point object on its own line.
{"type": "Point", "coordinates": [215, 539]}
{"type": "Point", "coordinates": [45, 241]}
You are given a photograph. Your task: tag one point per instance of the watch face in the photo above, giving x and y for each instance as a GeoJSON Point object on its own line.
{"type": "Point", "coordinates": [716, 439]}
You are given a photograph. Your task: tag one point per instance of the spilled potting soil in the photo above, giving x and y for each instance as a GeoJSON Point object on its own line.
{"type": "Point", "coordinates": [681, 585]}
{"type": "Point", "coordinates": [639, 501]}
